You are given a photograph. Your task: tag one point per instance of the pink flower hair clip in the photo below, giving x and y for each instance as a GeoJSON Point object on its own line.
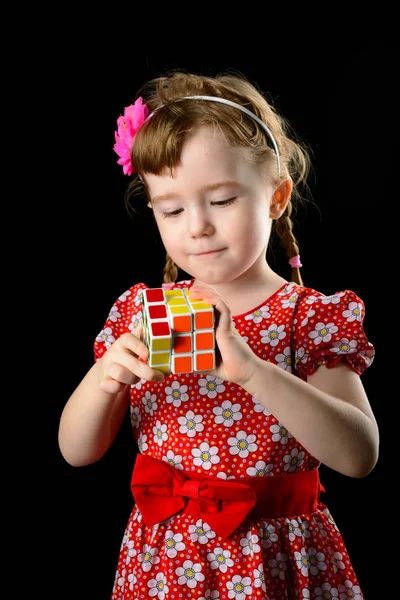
{"type": "Point", "coordinates": [128, 126]}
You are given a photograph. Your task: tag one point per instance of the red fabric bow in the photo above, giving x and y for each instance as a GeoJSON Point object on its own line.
{"type": "Point", "coordinates": [160, 491]}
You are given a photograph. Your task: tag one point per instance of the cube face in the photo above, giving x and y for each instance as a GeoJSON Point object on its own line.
{"type": "Point", "coordinates": [161, 328]}
{"type": "Point", "coordinates": [157, 311]}
{"type": "Point", "coordinates": [204, 361]}
{"type": "Point", "coordinates": [183, 344]}
{"type": "Point", "coordinates": [182, 363]}
{"type": "Point", "coordinates": [204, 340]}
{"type": "Point", "coordinates": [178, 332]}
{"type": "Point", "coordinates": [154, 295]}
{"type": "Point", "coordinates": [203, 320]}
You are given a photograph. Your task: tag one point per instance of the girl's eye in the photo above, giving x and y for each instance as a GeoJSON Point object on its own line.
{"type": "Point", "coordinates": [175, 213]}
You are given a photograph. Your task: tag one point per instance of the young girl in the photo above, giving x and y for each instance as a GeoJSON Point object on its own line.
{"type": "Point", "coordinates": [226, 483]}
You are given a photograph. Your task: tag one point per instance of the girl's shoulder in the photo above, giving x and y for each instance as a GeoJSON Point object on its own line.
{"type": "Point", "coordinates": [303, 296]}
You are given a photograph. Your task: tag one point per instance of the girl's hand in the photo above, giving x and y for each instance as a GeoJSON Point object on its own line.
{"type": "Point", "coordinates": [235, 361]}
{"type": "Point", "coordinates": [124, 363]}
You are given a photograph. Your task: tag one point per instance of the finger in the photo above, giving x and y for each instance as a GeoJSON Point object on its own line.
{"type": "Point", "coordinates": [224, 312]}
{"type": "Point", "coordinates": [110, 386]}
{"type": "Point", "coordinates": [126, 366]}
{"type": "Point", "coordinates": [138, 330]}
{"type": "Point", "coordinates": [200, 289]}
{"type": "Point", "coordinates": [121, 374]}
{"type": "Point", "coordinates": [133, 343]}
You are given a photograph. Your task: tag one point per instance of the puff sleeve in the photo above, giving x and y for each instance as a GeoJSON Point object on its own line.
{"type": "Point", "coordinates": [329, 329]}
{"type": "Point", "coordinates": [124, 316]}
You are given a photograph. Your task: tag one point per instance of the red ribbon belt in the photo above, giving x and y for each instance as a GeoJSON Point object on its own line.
{"type": "Point", "coordinates": [161, 491]}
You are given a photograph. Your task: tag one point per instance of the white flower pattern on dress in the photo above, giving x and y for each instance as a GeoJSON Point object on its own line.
{"type": "Point", "coordinates": [190, 424]}
{"type": "Point", "coordinates": [250, 544]}
{"type": "Point", "coordinates": [280, 433]}
{"type": "Point", "coordinates": [176, 394]}
{"type": "Point", "coordinates": [284, 359]}
{"type": "Point", "coordinates": [279, 565]}
{"type": "Point", "coordinates": [259, 408]}
{"type": "Point", "coordinates": [142, 443]}
{"type": "Point", "coordinates": [148, 557]}
{"type": "Point", "coordinates": [323, 332]}
{"type": "Point", "coordinates": [130, 551]}
{"type": "Point", "coordinates": [239, 587]}
{"type": "Point", "coordinates": [333, 299]}
{"type": "Point", "coordinates": [354, 312]}
{"type": "Point", "coordinates": [297, 527]}
{"type": "Point", "coordinates": [158, 586]}
{"type": "Point", "coordinates": [258, 315]}
{"type": "Point", "coordinates": [293, 460]}
{"type": "Point", "coordinates": [139, 384]}
{"type": "Point", "coordinates": [220, 559]}
{"type": "Point", "coordinates": [160, 433]}
{"type": "Point", "coordinates": [135, 322]}
{"type": "Point", "coordinates": [326, 592]}
{"type": "Point", "coordinates": [106, 336]}
{"type": "Point", "coordinates": [175, 460]}
{"type": "Point", "coordinates": [223, 475]}
{"type": "Point", "coordinates": [291, 301]}
{"type": "Point", "coordinates": [261, 469]}
{"type": "Point", "coordinates": [189, 574]}
{"type": "Point", "coordinates": [273, 334]}
{"type": "Point", "coordinates": [310, 314]}
{"type": "Point", "coordinates": [150, 403]}
{"type": "Point", "coordinates": [259, 577]}
{"type": "Point", "coordinates": [135, 415]}
{"type": "Point", "coordinates": [242, 444]}
{"type": "Point", "coordinates": [211, 386]}
{"type": "Point", "coordinates": [336, 559]}
{"type": "Point", "coordinates": [349, 591]}
{"type": "Point", "coordinates": [310, 560]}
{"type": "Point", "coordinates": [267, 535]}
{"type": "Point", "coordinates": [114, 314]}
{"type": "Point", "coordinates": [201, 532]}
{"type": "Point", "coordinates": [173, 543]}
{"type": "Point", "coordinates": [227, 413]}
{"type": "Point", "coordinates": [205, 456]}
{"type": "Point", "coordinates": [344, 346]}
{"type": "Point", "coordinates": [124, 296]}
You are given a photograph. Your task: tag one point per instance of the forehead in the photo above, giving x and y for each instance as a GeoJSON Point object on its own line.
{"type": "Point", "coordinates": [207, 158]}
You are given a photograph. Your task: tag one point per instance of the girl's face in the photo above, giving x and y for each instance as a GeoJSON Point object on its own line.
{"type": "Point", "coordinates": [215, 202]}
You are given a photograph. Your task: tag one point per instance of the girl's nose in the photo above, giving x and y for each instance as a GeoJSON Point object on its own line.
{"type": "Point", "coordinates": [199, 221]}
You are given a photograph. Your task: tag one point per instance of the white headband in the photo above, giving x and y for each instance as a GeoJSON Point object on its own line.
{"type": "Point", "coordinates": [239, 107]}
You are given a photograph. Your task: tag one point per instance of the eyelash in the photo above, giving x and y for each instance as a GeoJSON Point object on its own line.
{"type": "Point", "coordinates": [176, 213]}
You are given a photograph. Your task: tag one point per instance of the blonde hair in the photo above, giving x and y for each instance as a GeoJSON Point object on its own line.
{"type": "Point", "coordinates": [158, 143]}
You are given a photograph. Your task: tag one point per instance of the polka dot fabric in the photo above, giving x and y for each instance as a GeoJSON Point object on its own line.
{"type": "Point", "coordinates": [202, 424]}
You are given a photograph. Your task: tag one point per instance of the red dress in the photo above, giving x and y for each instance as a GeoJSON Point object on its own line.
{"type": "Point", "coordinates": [203, 425]}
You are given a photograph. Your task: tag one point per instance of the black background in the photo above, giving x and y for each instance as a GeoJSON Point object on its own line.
{"type": "Point", "coordinates": [336, 90]}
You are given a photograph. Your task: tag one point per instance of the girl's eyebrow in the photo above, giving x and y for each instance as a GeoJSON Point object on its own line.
{"type": "Point", "coordinates": [212, 186]}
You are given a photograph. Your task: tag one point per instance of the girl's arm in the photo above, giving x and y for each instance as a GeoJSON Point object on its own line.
{"type": "Point", "coordinates": [90, 420]}
{"type": "Point", "coordinates": [329, 415]}
{"type": "Point", "coordinates": [94, 413]}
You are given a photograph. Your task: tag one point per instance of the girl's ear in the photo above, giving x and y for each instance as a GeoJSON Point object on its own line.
{"type": "Point", "coordinates": [280, 198]}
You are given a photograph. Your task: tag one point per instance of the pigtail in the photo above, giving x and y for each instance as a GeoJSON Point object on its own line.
{"type": "Point", "coordinates": [284, 228]}
{"type": "Point", "coordinates": [170, 271]}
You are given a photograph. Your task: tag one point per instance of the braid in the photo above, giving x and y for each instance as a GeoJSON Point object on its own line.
{"type": "Point", "coordinates": [170, 271]}
{"type": "Point", "coordinates": [284, 227]}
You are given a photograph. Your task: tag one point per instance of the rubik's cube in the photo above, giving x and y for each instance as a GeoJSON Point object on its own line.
{"type": "Point", "coordinates": [179, 332]}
